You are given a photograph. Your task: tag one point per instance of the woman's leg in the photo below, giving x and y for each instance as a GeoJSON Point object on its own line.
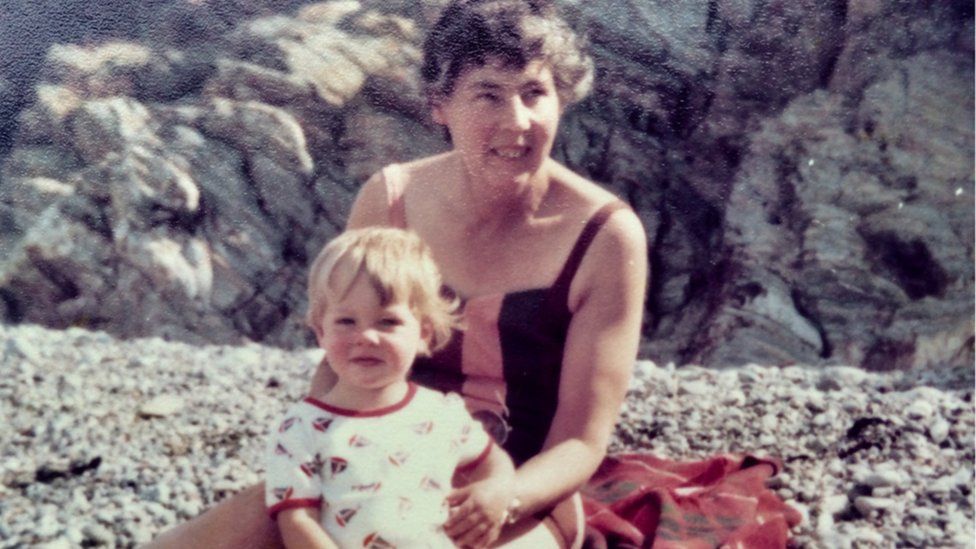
{"type": "Point", "coordinates": [238, 522]}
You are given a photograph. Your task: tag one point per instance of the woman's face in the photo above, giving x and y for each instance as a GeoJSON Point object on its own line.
{"type": "Point", "coordinates": [502, 120]}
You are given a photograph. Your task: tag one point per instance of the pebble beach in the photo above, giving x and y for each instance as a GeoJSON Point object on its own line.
{"type": "Point", "coordinates": [107, 442]}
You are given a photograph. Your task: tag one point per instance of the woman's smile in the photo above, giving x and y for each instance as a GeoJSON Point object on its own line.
{"type": "Point", "coordinates": [510, 153]}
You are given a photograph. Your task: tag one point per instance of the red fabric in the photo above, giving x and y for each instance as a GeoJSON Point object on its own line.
{"type": "Point", "coordinates": [644, 501]}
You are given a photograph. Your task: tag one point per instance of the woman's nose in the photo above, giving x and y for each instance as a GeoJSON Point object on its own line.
{"type": "Point", "coordinates": [517, 115]}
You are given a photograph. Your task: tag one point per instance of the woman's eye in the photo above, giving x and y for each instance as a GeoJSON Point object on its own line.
{"type": "Point", "coordinates": [487, 97]}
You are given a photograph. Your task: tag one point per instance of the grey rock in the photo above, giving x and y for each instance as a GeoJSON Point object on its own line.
{"type": "Point", "coordinates": [783, 156]}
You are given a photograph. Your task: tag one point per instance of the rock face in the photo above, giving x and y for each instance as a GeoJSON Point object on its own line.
{"type": "Point", "coordinates": [804, 169]}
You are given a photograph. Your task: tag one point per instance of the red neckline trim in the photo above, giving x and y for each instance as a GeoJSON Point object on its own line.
{"type": "Point", "coordinates": [411, 391]}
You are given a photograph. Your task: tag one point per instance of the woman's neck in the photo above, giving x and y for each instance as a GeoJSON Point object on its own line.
{"type": "Point", "coordinates": [488, 204]}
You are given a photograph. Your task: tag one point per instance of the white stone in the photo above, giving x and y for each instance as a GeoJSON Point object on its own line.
{"type": "Point", "coordinates": [923, 513]}
{"type": "Point", "coordinates": [74, 536]}
{"type": "Point", "coordinates": [695, 388]}
{"type": "Point", "coordinates": [919, 409]}
{"type": "Point", "coordinates": [916, 536]}
{"type": "Point", "coordinates": [98, 533]}
{"type": "Point", "coordinates": [941, 485]}
{"type": "Point", "coordinates": [869, 535]}
{"type": "Point", "coordinates": [59, 543]}
{"type": "Point", "coordinates": [48, 526]}
{"type": "Point", "coordinates": [882, 478]}
{"type": "Point", "coordinates": [867, 504]}
{"type": "Point", "coordinates": [161, 406]}
{"type": "Point", "coordinates": [939, 430]}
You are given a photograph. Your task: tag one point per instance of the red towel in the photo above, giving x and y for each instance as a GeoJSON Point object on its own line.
{"type": "Point", "coordinates": [643, 501]}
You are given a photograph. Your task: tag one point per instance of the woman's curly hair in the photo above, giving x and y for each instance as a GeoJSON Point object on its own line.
{"type": "Point", "coordinates": [516, 32]}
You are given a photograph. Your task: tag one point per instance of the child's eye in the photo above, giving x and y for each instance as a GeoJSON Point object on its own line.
{"type": "Point", "coordinates": [390, 321]}
{"type": "Point", "coordinates": [345, 321]}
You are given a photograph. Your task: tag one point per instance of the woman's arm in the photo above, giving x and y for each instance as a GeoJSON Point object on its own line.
{"type": "Point", "coordinates": [483, 500]}
{"type": "Point", "coordinates": [369, 209]}
{"type": "Point", "coordinates": [601, 347]}
{"type": "Point", "coordinates": [371, 206]}
{"type": "Point", "coordinates": [300, 529]}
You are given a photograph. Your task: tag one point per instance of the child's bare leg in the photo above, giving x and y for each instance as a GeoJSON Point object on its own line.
{"type": "Point", "coordinates": [534, 534]}
{"type": "Point", "coordinates": [239, 521]}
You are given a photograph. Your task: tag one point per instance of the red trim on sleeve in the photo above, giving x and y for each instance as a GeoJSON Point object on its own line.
{"type": "Point", "coordinates": [474, 463]}
{"type": "Point", "coordinates": [411, 391]}
{"type": "Point", "coordinates": [292, 504]}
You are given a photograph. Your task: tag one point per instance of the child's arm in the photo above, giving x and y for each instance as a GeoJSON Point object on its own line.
{"type": "Point", "coordinates": [483, 501]}
{"type": "Point", "coordinates": [300, 529]}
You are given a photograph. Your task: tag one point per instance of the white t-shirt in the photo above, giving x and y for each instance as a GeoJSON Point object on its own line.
{"type": "Point", "coordinates": [379, 477]}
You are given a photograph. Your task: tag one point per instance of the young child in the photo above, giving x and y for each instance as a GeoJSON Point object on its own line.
{"type": "Point", "coordinates": [369, 463]}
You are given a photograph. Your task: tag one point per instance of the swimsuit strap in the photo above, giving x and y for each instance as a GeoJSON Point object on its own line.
{"type": "Point", "coordinates": [560, 289]}
{"type": "Point", "coordinates": [396, 208]}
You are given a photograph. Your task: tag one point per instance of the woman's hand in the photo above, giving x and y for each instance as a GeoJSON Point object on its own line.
{"type": "Point", "coordinates": [478, 512]}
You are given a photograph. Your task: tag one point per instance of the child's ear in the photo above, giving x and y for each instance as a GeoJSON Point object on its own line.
{"type": "Point", "coordinates": [317, 328]}
{"type": "Point", "coordinates": [426, 338]}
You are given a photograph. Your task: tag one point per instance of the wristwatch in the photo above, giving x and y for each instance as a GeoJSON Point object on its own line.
{"type": "Point", "coordinates": [513, 513]}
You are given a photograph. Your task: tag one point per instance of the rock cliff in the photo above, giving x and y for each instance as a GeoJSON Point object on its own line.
{"type": "Point", "coordinates": [804, 169]}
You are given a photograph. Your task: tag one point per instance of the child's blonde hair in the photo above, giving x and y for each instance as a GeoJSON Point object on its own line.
{"type": "Point", "coordinates": [400, 268]}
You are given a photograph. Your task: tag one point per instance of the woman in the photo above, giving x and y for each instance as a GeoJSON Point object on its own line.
{"type": "Point", "coordinates": [551, 269]}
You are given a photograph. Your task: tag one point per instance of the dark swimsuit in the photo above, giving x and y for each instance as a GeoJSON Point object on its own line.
{"type": "Point", "coordinates": [507, 361]}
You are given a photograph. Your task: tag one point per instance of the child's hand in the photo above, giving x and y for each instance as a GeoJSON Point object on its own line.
{"type": "Point", "coordinates": [478, 512]}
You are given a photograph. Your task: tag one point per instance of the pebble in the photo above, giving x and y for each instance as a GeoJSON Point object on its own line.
{"type": "Point", "coordinates": [869, 535]}
{"type": "Point", "coordinates": [868, 504]}
{"type": "Point", "coordinates": [915, 536]}
{"type": "Point", "coordinates": [882, 478]}
{"type": "Point", "coordinates": [695, 388]}
{"type": "Point", "coordinates": [98, 533]}
{"type": "Point", "coordinates": [942, 485]}
{"type": "Point", "coordinates": [25, 349]}
{"type": "Point", "coordinates": [919, 409]}
{"type": "Point", "coordinates": [939, 430]}
{"type": "Point", "coordinates": [161, 406]}
{"type": "Point", "coordinates": [59, 543]}
{"type": "Point", "coordinates": [47, 527]}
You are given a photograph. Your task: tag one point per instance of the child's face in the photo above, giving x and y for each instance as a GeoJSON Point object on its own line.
{"type": "Point", "coordinates": [370, 346]}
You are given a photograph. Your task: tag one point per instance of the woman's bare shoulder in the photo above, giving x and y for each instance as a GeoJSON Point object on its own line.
{"type": "Point", "coordinates": [372, 204]}
{"type": "Point", "coordinates": [425, 168]}
{"type": "Point", "coordinates": [622, 238]}
{"type": "Point", "coordinates": [581, 191]}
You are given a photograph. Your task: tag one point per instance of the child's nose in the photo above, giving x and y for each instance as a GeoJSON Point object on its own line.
{"type": "Point", "coordinates": [369, 336]}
